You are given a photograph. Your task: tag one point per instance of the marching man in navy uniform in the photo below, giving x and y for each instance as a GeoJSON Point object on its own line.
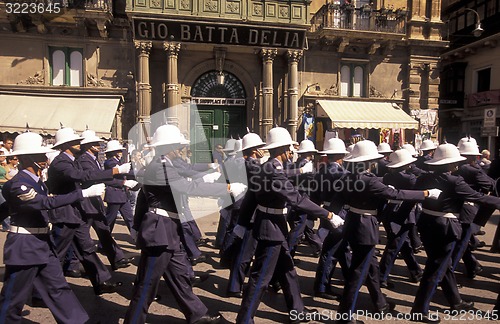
{"type": "Point", "coordinates": [365, 193]}
{"type": "Point", "coordinates": [272, 255]}
{"type": "Point", "coordinates": [65, 174]}
{"type": "Point", "coordinates": [159, 227]}
{"type": "Point", "coordinates": [440, 229]}
{"type": "Point", "coordinates": [29, 253]}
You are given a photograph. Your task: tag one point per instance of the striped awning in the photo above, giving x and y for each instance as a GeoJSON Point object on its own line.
{"type": "Point", "coordinates": [364, 114]}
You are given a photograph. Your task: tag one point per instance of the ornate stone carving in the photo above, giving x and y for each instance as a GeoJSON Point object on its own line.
{"type": "Point", "coordinates": [293, 56]}
{"type": "Point", "coordinates": [268, 54]}
{"type": "Point", "coordinates": [284, 12]}
{"type": "Point", "coordinates": [211, 5]}
{"type": "Point", "coordinates": [38, 78]}
{"type": "Point", "coordinates": [375, 93]}
{"type": "Point", "coordinates": [144, 47]}
{"type": "Point", "coordinates": [92, 81]}
{"type": "Point", "coordinates": [155, 3]}
{"type": "Point", "coordinates": [185, 4]}
{"type": "Point", "coordinates": [332, 91]}
{"type": "Point", "coordinates": [233, 7]}
{"type": "Point", "coordinates": [257, 9]}
{"type": "Point", "coordinates": [172, 48]}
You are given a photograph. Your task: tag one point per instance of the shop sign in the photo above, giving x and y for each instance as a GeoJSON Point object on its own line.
{"type": "Point", "coordinates": [221, 34]}
{"type": "Point", "coordinates": [218, 101]}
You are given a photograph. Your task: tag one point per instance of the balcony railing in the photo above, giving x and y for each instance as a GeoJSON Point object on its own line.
{"type": "Point", "coordinates": [365, 18]}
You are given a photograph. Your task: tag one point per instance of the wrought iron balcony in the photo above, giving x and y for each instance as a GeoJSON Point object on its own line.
{"type": "Point", "coordinates": [365, 19]}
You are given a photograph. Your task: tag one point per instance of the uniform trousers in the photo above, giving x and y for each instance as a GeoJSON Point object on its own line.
{"type": "Point", "coordinates": [271, 258]}
{"type": "Point", "coordinates": [155, 263]}
{"type": "Point", "coordinates": [439, 248]}
{"type": "Point", "coordinates": [462, 251]}
{"type": "Point", "coordinates": [364, 269]}
{"type": "Point", "coordinates": [108, 244]}
{"type": "Point", "coordinates": [398, 241]}
{"type": "Point", "coordinates": [335, 249]}
{"type": "Point", "coordinates": [126, 211]}
{"type": "Point", "coordinates": [189, 239]}
{"type": "Point", "coordinates": [224, 221]}
{"type": "Point", "coordinates": [301, 225]}
{"type": "Point", "coordinates": [84, 248]}
{"type": "Point", "coordinates": [241, 263]}
{"type": "Point", "coordinates": [49, 282]}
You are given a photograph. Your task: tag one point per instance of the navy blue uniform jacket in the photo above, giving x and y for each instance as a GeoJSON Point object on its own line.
{"type": "Point", "coordinates": [115, 190]}
{"type": "Point", "coordinates": [29, 205]}
{"type": "Point", "coordinates": [91, 205]}
{"type": "Point", "coordinates": [65, 176]}
{"type": "Point", "coordinates": [404, 212]}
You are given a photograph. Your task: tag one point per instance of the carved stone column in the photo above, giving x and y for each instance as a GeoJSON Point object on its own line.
{"type": "Point", "coordinates": [172, 87]}
{"type": "Point", "coordinates": [144, 89]}
{"type": "Point", "coordinates": [268, 55]}
{"type": "Point", "coordinates": [293, 90]}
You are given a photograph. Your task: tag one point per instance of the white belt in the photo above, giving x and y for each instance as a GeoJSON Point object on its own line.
{"type": "Point", "coordinates": [365, 212]}
{"type": "Point", "coordinates": [440, 214]}
{"type": "Point", "coordinates": [275, 211]}
{"type": "Point", "coordinates": [394, 201]}
{"type": "Point", "coordinates": [470, 203]}
{"type": "Point", "coordinates": [164, 213]}
{"type": "Point", "coordinates": [28, 230]}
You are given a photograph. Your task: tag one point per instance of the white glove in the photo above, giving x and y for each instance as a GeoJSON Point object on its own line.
{"type": "Point", "coordinates": [391, 186]}
{"type": "Point", "coordinates": [434, 193]}
{"type": "Point", "coordinates": [130, 183]}
{"type": "Point", "coordinates": [239, 231]}
{"type": "Point", "coordinates": [124, 168]}
{"type": "Point", "coordinates": [94, 190]}
{"type": "Point", "coordinates": [214, 166]}
{"type": "Point", "coordinates": [237, 188]}
{"type": "Point", "coordinates": [336, 221]}
{"type": "Point", "coordinates": [307, 168]}
{"type": "Point", "coordinates": [211, 177]}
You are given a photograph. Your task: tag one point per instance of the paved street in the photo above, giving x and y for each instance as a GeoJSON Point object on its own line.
{"type": "Point", "coordinates": [111, 308]}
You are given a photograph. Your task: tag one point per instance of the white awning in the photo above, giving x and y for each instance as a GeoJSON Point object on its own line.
{"type": "Point", "coordinates": [45, 113]}
{"type": "Point", "coordinates": [363, 114]}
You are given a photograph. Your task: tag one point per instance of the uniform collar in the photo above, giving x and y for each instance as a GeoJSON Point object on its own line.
{"type": "Point", "coordinates": [72, 158]}
{"type": "Point", "coordinates": [91, 155]}
{"type": "Point", "coordinates": [34, 177]}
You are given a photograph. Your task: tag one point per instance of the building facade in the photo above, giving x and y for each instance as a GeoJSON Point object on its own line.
{"type": "Point", "coordinates": [216, 68]}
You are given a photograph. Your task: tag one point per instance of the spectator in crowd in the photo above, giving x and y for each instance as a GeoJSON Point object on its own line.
{"type": "Point", "coordinates": [3, 180]}
{"type": "Point", "coordinates": [7, 145]}
{"type": "Point", "coordinates": [485, 160]}
{"type": "Point", "coordinates": [11, 167]}
{"type": "Point", "coordinates": [218, 154]}
{"type": "Point", "coordinates": [189, 155]}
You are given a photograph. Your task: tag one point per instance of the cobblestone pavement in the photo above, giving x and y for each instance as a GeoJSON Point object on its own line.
{"type": "Point", "coordinates": [110, 308]}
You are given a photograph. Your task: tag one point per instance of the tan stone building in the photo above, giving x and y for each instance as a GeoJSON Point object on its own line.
{"type": "Point", "coordinates": [222, 66]}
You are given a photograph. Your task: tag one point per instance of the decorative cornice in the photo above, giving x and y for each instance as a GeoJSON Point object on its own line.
{"type": "Point", "coordinates": [143, 47]}
{"type": "Point", "coordinates": [268, 54]}
{"type": "Point", "coordinates": [293, 55]}
{"type": "Point", "coordinates": [171, 48]}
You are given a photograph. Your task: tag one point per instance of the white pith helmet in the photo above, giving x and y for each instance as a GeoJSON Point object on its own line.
{"type": "Point", "coordinates": [277, 137]}
{"type": "Point", "coordinates": [400, 158]}
{"type": "Point", "coordinates": [364, 151]}
{"type": "Point", "coordinates": [410, 148]}
{"type": "Point", "coordinates": [334, 146]}
{"type": "Point", "coordinates": [166, 135]}
{"type": "Point", "coordinates": [446, 154]}
{"type": "Point", "coordinates": [384, 148]}
{"type": "Point", "coordinates": [29, 143]}
{"type": "Point", "coordinates": [66, 135]}
{"type": "Point", "coordinates": [229, 146]}
{"type": "Point", "coordinates": [306, 146]}
{"type": "Point", "coordinates": [427, 145]}
{"type": "Point", "coordinates": [251, 140]}
{"type": "Point", "coordinates": [467, 139]}
{"type": "Point", "coordinates": [468, 148]}
{"type": "Point", "coordinates": [184, 140]}
{"type": "Point", "coordinates": [89, 136]}
{"type": "Point", "coordinates": [349, 151]}
{"type": "Point", "coordinates": [113, 145]}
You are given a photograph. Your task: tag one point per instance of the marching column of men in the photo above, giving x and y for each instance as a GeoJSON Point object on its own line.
{"type": "Point", "coordinates": [441, 193]}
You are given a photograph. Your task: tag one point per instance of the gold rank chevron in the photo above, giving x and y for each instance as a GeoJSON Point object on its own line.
{"type": "Point", "coordinates": [28, 196]}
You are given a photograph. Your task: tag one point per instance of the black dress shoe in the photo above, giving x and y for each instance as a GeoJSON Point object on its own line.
{"type": "Point", "coordinates": [305, 316]}
{"type": "Point", "coordinates": [386, 284]}
{"type": "Point", "coordinates": [107, 287]}
{"type": "Point", "coordinates": [463, 306]}
{"type": "Point", "coordinates": [202, 241]}
{"type": "Point", "coordinates": [37, 303]}
{"type": "Point", "coordinates": [416, 278]}
{"type": "Point", "coordinates": [425, 318]}
{"type": "Point", "coordinates": [316, 253]}
{"type": "Point", "coordinates": [73, 273]}
{"type": "Point", "coordinates": [478, 245]}
{"type": "Point", "coordinates": [480, 232]}
{"type": "Point", "coordinates": [328, 295]}
{"type": "Point", "coordinates": [389, 307]}
{"type": "Point", "coordinates": [208, 319]}
{"type": "Point", "coordinates": [275, 286]}
{"type": "Point", "coordinates": [120, 264]}
{"type": "Point", "coordinates": [235, 294]}
{"type": "Point", "coordinates": [477, 270]}
{"type": "Point", "coordinates": [198, 279]}
{"type": "Point", "coordinates": [418, 249]}
{"type": "Point", "coordinates": [200, 259]}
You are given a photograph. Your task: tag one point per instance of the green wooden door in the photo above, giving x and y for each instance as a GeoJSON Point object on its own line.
{"type": "Point", "coordinates": [212, 125]}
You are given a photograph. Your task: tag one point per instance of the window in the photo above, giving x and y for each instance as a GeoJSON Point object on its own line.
{"type": "Point", "coordinates": [352, 80]}
{"type": "Point", "coordinates": [483, 80]}
{"type": "Point", "coordinates": [66, 66]}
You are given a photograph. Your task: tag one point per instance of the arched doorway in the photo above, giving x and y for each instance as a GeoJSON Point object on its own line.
{"type": "Point", "coordinates": [218, 112]}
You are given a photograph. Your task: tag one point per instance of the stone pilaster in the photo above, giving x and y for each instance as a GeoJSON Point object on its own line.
{"type": "Point", "coordinates": [144, 89]}
{"type": "Point", "coordinates": [268, 55]}
{"type": "Point", "coordinates": [172, 87]}
{"type": "Point", "coordinates": [293, 57]}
